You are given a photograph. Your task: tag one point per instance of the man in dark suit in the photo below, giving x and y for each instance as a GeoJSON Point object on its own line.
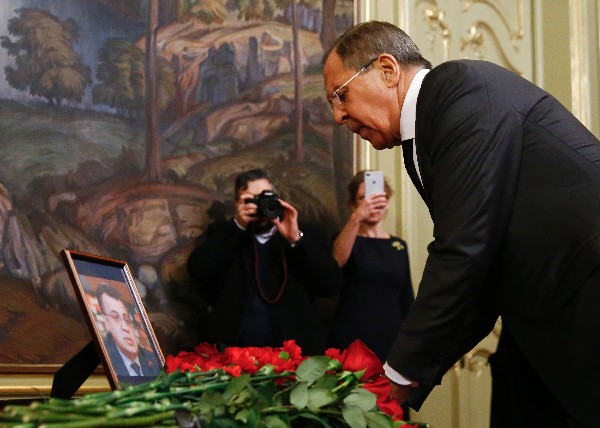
{"type": "Point", "coordinates": [512, 182]}
{"type": "Point", "coordinates": [262, 271]}
{"type": "Point", "coordinates": [126, 355]}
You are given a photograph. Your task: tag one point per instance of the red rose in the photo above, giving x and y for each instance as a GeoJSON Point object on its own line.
{"type": "Point", "coordinates": [206, 349]}
{"type": "Point", "coordinates": [359, 357]}
{"type": "Point", "coordinates": [335, 354]}
{"type": "Point", "coordinates": [172, 363]}
{"type": "Point", "coordinates": [242, 357]}
{"type": "Point", "coordinates": [293, 350]}
{"type": "Point", "coordinates": [381, 387]}
{"type": "Point", "coordinates": [183, 361]}
{"type": "Point", "coordinates": [234, 371]}
{"type": "Point", "coordinates": [262, 356]}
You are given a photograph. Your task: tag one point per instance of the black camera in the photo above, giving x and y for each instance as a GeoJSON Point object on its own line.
{"type": "Point", "coordinates": [268, 204]}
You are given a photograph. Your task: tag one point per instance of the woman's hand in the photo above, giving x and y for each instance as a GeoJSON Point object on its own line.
{"type": "Point", "coordinates": [371, 206]}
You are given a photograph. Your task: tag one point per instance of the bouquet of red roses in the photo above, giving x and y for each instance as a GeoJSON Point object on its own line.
{"type": "Point", "coordinates": [340, 388]}
{"type": "Point", "coordinates": [239, 387]}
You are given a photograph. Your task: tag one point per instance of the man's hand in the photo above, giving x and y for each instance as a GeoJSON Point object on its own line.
{"type": "Point", "coordinates": [245, 213]}
{"type": "Point", "coordinates": [288, 227]}
{"type": "Point", "coordinates": [400, 392]}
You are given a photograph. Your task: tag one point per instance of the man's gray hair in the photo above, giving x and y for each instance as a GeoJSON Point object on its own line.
{"type": "Point", "coordinates": [367, 40]}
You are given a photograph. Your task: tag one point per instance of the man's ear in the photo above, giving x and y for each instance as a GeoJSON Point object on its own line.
{"type": "Point", "coordinates": [390, 69]}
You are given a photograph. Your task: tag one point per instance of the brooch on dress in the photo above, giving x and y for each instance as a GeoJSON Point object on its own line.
{"type": "Point", "coordinates": [398, 245]}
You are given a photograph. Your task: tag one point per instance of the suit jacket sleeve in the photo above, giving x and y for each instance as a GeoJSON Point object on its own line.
{"type": "Point", "coordinates": [468, 138]}
{"type": "Point", "coordinates": [220, 243]}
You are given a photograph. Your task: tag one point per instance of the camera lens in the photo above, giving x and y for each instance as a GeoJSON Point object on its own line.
{"type": "Point", "coordinates": [271, 208]}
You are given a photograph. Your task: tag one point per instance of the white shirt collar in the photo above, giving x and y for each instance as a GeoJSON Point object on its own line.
{"type": "Point", "coordinates": [264, 237]}
{"type": "Point", "coordinates": [408, 115]}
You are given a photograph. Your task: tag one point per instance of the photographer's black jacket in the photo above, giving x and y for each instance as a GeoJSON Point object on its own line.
{"type": "Point", "coordinates": [223, 266]}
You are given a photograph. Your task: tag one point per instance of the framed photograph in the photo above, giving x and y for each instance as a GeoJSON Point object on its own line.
{"type": "Point", "coordinates": [117, 320]}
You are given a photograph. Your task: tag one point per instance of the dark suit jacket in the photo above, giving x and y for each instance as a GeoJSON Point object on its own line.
{"type": "Point", "coordinates": [148, 362]}
{"type": "Point", "coordinates": [223, 266]}
{"type": "Point", "coordinates": [512, 182]}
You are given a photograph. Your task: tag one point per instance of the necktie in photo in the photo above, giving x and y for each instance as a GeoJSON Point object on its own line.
{"type": "Point", "coordinates": [136, 368]}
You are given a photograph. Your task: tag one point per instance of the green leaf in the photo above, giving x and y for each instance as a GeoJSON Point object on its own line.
{"type": "Point", "coordinates": [299, 395]}
{"type": "Point", "coordinates": [267, 369]}
{"type": "Point", "coordinates": [359, 374]}
{"type": "Point", "coordinates": [236, 385]}
{"type": "Point", "coordinates": [242, 415]}
{"type": "Point", "coordinates": [245, 396]}
{"type": "Point", "coordinates": [334, 365]}
{"type": "Point", "coordinates": [329, 381]}
{"type": "Point", "coordinates": [378, 420]}
{"type": "Point", "coordinates": [224, 423]}
{"type": "Point", "coordinates": [254, 417]}
{"type": "Point", "coordinates": [266, 395]}
{"type": "Point", "coordinates": [274, 421]}
{"type": "Point", "coordinates": [211, 404]}
{"type": "Point", "coordinates": [311, 416]}
{"type": "Point", "coordinates": [362, 398]}
{"type": "Point", "coordinates": [319, 397]}
{"type": "Point", "coordinates": [354, 416]}
{"type": "Point", "coordinates": [312, 368]}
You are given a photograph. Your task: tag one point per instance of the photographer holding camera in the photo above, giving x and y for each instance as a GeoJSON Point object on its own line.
{"type": "Point", "coordinates": [261, 272]}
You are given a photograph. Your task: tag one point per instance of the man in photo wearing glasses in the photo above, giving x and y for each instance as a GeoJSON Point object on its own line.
{"type": "Point", "coordinates": [126, 355]}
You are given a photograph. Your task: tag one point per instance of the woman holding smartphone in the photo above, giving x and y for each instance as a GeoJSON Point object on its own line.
{"type": "Point", "coordinates": [377, 290]}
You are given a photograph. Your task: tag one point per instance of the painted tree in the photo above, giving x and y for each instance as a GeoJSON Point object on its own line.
{"type": "Point", "coordinates": [46, 63]}
{"type": "Point", "coordinates": [297, 83]}
{"type": "Point", "coordinates": [342, 157]}
{"type": "Point", "coordinates": [208, 11]}
{"type": "Point", "coordinates": [327, 35]}
{"type": "Point", "coordinates": [264, 10]}
{"type": "Point", "coordinates": [153, 157]}
{"type": "Point", "coordinates": [121, 72]}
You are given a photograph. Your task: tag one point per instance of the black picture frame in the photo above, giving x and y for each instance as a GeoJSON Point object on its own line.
{"type": "Point", "coordinates": [88, 274]}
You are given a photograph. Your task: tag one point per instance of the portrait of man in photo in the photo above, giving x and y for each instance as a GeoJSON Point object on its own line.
{"type": "Point", "coordinates": [126, 354]}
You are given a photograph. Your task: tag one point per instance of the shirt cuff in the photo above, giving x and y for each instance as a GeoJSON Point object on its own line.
{"type": "Point", "coordinates": [297, 241]}
{"type": "Point", "coordinates": [394, 376]}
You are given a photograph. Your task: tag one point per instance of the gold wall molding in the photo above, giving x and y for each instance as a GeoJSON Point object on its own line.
{"type": "Point", "coordinates": [435, 18]}
{"type": "Point", "coordinates": [515, 35]}
{"type": "Point", "coordinates": [476, 41]}
{"type": "Point", "coordinates": [585, 62]}
{"type": "Point", "coordinates": [495, 31]}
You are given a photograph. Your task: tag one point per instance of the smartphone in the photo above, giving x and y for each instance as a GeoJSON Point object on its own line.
{"type": "Point", "coordinates": [373, 182]}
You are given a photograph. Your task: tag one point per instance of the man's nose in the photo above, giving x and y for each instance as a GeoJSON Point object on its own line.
{"type": "Point", "coordinates": [339, 115]}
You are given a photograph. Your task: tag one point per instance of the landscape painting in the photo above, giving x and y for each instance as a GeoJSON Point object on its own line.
{"type": "Point", "coordinates": [122, 127]}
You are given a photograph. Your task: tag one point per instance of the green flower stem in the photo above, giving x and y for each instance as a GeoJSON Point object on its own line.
{"type": "Point", "coordinates": [41, 407]}
{"type": "Point", "coordinates": [344, 384]}
{"type": "Point", "coordinates": [132, 411]}
{"type": "Point", "coordinates": [293, 409]}
{"type": "Point", "coordinates": [143, 421]}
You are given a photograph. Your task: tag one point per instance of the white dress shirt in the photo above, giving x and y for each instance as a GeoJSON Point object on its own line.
{"type": "Point", "coordinates": [408, 116]}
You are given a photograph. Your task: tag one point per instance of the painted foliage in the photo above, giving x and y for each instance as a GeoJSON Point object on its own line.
{"type": "Point", "coordinates": [122, 127]}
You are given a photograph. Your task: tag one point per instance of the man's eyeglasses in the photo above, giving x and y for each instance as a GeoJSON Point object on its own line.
{"type": "Point", "coordinates": [338, 99]}
{"type": "Point", "coordinates": [118, 318]}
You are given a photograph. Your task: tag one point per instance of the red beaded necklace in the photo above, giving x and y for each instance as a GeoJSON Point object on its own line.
{"type": "Point", "coordinates": [258, 284]}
